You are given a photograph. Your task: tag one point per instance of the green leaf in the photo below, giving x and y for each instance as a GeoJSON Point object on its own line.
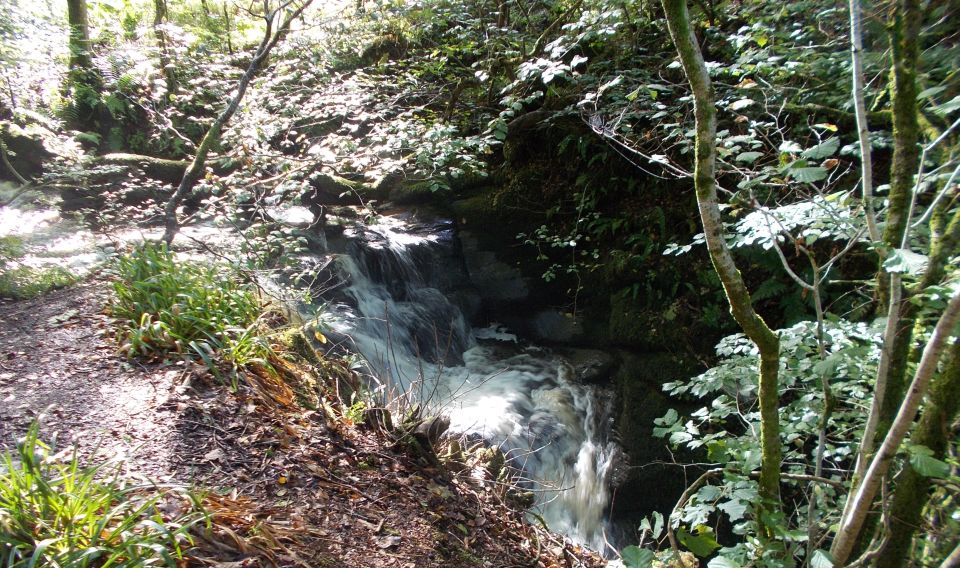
{"type": "Point", "coordinates": [931, 92]}
{"type": "Point", "coordinates": [922, 460]}
{"type": "Point", "coordinates": [723, 562]}
{"type": "Point", "coordinates": [808, 175]}
{"type": "Point", "coordinates": [905, 261]}
{"type": "Point", "coordinates": [822, 150]}
{"type": "Point", "coordinates": [948, 107]}
{"type": "Point", "coordinates": [656, 529]}
{"type": "Point", "coordinates": [821, 559]}
{"type": "Point", "coordinates": [702, 544]}
{"type": "Point", "coordinates": [735, 509]}
{"type": "Point", "coordinates": [790, 147]}
{"type": "Point", "coordinates": [636, 557]}
{"type": "Point", "coordinates": [749, 157]}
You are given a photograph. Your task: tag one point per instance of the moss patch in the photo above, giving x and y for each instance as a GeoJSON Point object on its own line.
{"type": "Point", "coordinates": [24, 282]}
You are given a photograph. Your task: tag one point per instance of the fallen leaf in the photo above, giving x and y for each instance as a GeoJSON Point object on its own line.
{"type": "Point", "coordinates": [388, 541]}
{"type": "Point", "coordinates": [213, 455]}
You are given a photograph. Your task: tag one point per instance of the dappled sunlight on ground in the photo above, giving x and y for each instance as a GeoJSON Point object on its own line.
{"type": "Point", "coordinates": [59, 365]}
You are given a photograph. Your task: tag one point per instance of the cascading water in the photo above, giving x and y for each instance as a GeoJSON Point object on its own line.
{"type": "Point", "coordinates": [395, 306]}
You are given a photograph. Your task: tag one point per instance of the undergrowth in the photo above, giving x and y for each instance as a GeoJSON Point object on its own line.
{"type": "Point", "coordinates": [198, 310]}
{"type": "Point", "coordinates": [58, 513]}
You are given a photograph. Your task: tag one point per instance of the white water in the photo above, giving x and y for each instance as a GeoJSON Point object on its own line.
{"type": "Point", "coordinates": [517, 396]}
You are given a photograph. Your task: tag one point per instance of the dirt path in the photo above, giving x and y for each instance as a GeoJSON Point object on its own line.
{"type": "Point", "coordinates": [58, 360]}
{"type": "Point", "coordinates": [288, 487]}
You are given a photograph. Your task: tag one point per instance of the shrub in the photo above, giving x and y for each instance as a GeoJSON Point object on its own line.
{"type": "Point", "coordinates": [55, 513]}
{"type": "Point", "coordinates": [199, 310]}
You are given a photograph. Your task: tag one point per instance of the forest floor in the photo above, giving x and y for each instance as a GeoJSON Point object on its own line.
{"type": "Point", "coordinates": [286, 487]}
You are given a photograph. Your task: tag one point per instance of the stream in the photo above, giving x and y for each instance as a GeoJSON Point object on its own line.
{"type": "Point", "coordinates": [403, 305]}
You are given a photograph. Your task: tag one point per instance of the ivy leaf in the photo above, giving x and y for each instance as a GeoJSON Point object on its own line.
{"type": "Point", "coordinates": [657, 529]}
{"type": "Point", "coordinates": [922, 460]}
{"type": "Point", "coordinates": [749, 157]}
{"type": "Point", "coordinates": [822, 150]}
{"type": "Point", "coordinates": [636, 557]}
{"type": "Point", "coordinates": [821, 559]}
{"type": "Point", "coordinates": [905, 261]}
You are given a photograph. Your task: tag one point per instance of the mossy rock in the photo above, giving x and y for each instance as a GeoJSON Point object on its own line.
{"type": "Point", "coordinates": [388, 47]}
{"type": "Point", "coordinates": [294, 340]}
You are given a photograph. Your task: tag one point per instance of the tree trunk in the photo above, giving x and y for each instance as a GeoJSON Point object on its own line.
{"type": "Point", "coordinates": [913, 489]}
{"type": "Point", "coordinates": [862, 497]}
{"type": "Point", "coordinates": [892, 377]}
{"type": "Point", "coordinates": [860, 111]}
{"type": "Point", "coordinates": [84, 84]}
{"type": "Point", "coordinates": [736, 291]}
{"type": "Point", "coordinates": [166, 65]}
{"type": "Point", "coordinates": [80, 48]}
{"type": "Point", "coordinates": [904, 28]}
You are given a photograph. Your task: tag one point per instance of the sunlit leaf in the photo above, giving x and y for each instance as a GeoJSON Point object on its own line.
{"type": "Point", "coordinates": [822, 150]}
{"type": "Point", "coordinates": [749, 157]}
{"type": "Point", "coordinates": [702, 544]}
{"type": "Point", "coordinates": [808, 175]}
{"type": "Point", "coordinates": [821, 559]}
{"type": "Point", "coordinates": [636, 557]}
{"type": "Point", "coordinates": [904, 261]}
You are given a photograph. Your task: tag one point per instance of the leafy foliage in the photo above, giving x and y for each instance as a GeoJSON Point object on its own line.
{"type": "Point", "coordinates": [728, 428]}
{"type": "Point", "coordinates": [59, 513]}
{"type": "Point", "coordinates": [170, 306]}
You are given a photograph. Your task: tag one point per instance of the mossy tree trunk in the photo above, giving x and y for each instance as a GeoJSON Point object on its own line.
{"type": "Point", "coordinates": [271, 37]}
{"type": "Point", "coordinates": [904, 42]}
{"type": "Point", "coordinates": [84, 83]}
{"type": "Point", "coordinates": [163, 46]}
{"type": "Point", "coordinates": [861, 497]}
{"type": "Point", "coordinates": [905, 21]}
{"type": "Point", "coordinates": [738, 296]}
{"type": "Point", "coordinates": [912, 488]}
{"type": "Point", "coordinates": [80, 54]}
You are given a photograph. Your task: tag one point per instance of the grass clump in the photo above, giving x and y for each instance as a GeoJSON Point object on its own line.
{"type": "Point", "coordinates": [25, 282]}
{"type": "Point", "coordinates": [20, 282]}
{"type": "Point", "coordinates": [196, 309]}
{"type": "Point", "coordinates": [57, 513]}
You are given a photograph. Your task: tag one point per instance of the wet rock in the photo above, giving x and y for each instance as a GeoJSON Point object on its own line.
{"type": "Point", "coordinates": [589, 365]}
{"type": "Point", "coordinates": [496, 281]}
{"type": "Point", "coordinates": [554, 326]}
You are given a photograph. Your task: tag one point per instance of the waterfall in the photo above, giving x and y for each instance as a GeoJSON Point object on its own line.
{"type": "Point", "coordinates": [402, 307]}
